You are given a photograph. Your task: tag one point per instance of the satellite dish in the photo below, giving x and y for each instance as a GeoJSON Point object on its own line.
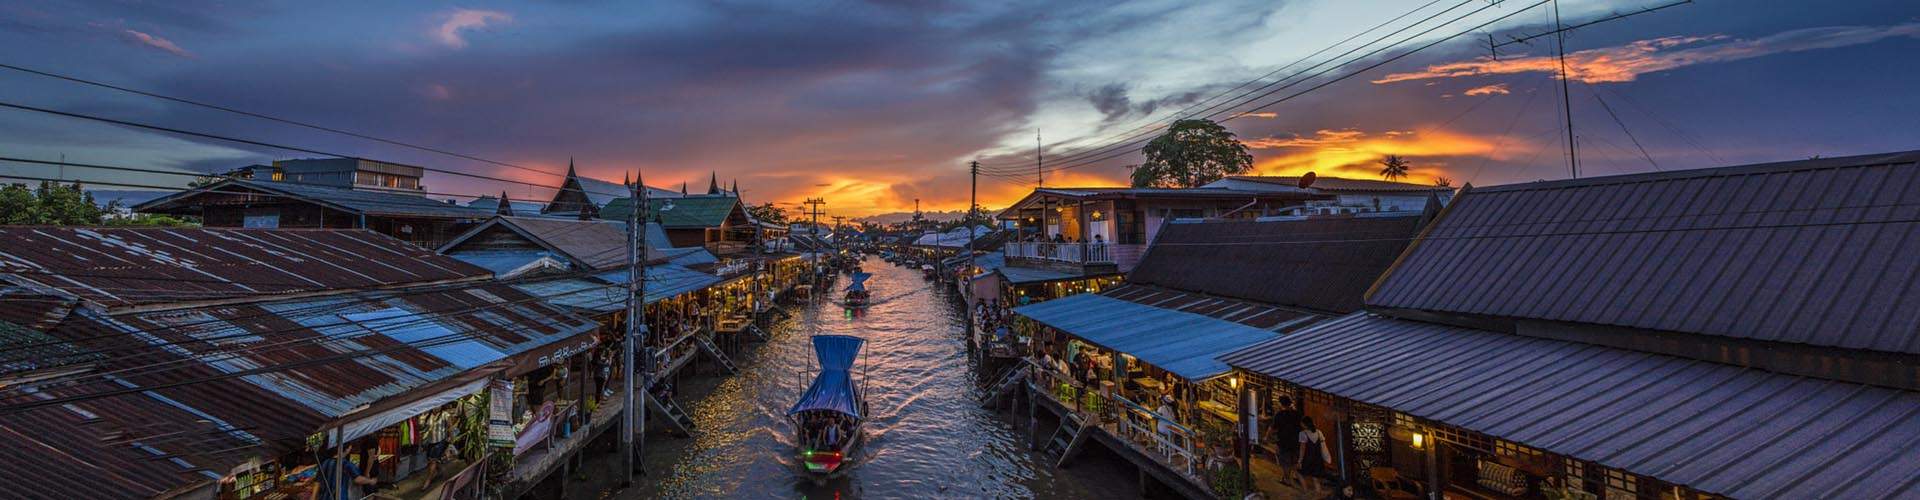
{"type": "Point", "coordinates": [1306, 180]}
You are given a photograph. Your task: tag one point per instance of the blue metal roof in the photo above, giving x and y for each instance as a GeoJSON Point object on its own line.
{"type": "Point", "coordinates": [501, 261]}
{"type": "Point", "coordinates": [1180, 342]}
{"type": "Point", "coordinates": [1722, 429]}
{"type": "Point", "coordinates": [665, 281]}
{"type": "Point", "coordinates": [432, 337]}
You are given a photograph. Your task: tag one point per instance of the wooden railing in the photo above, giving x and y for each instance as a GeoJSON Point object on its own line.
{"type": "Point", "coordinates": [1147, 432]}
{"type": "Point", "coordinates": [1078, 253]}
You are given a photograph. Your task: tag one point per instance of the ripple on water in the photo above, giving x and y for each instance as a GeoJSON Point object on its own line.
{"type": "Point", "coordinates": [928, 438]}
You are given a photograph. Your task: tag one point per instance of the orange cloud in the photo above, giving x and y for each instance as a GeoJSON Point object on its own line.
{"type": "Point", "coordinates": [1624, 63]}
{"type": "Point", "coordinates": [1354, 153]}
{"type": "Point", "coordinates": [1498, 88]}
{"type": "Point", "coordinates": [1258, 114]}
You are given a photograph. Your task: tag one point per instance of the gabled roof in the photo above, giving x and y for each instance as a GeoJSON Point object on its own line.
{"type": "Point", "coordinates": [1342, 184]}
{"type": "Point", "coordinates": [682, 213]}
{"type": "Point", "coordinates": [114, 267]}
{"type": "Point", "coordinates": [357, 201]}
{"type": "Point", "coordinates": [1721, 429]}
{"type": "Point", "coordinates": [1322, 263]}
{"type": "Point", "coordinates": [589, 244]}
{"type": "Point", "coordinates": [1815, 252]}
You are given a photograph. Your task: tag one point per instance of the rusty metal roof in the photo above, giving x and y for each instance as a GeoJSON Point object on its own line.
{"type": "Point", "coordinates": [1815, 252]}
{"type": "Point", "coordinates": [1722, 429]}
{"type": "Point", "coordinates": [140, 445]}
{"type": "Point", "coordinates": [1323, 263]}
{"type": "Point", "coordinates": [316, 354]}
{"type": "Point", "coordinates": [115, 267]}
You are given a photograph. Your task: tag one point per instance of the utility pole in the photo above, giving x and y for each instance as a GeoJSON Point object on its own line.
{"type": "Point", "coordinates": [1566, 99]}
{"type": "Point", "coordinates": [973, 202]}
{"type": "Point", "coordinates": [814, 227]}
{"type": "Point", "coordinates": [633, 422]}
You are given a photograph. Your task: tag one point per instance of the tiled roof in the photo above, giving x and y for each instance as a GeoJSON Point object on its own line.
{"type": "Point", "coordinates": [1726, 430]}
{"type": "Point", "coordinates": [133, 266]}
{"type": "Point", "coordinates": [1320, 263]}
{"type": "Point", "coordinates": [1815, 252]}
{"type": "Point", "coordinates": [360, 201]}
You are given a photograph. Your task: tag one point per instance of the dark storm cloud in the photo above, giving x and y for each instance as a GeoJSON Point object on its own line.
{"type": "Point", "coordinates": [764, 96]}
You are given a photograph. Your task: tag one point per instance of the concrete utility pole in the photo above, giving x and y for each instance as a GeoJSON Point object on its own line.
{"type": "Point", "coordinates": [814, 227]}
{"type": "Point", "coordinates": [636, 330]}
{"type": "Point", "coordinates": [973, 202]}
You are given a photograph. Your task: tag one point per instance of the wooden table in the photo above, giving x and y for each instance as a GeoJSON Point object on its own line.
{"type": "Point", "coordinates": [1220, 410]}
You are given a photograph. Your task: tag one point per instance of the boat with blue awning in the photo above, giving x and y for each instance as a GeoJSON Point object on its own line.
{"type": "Point", "coordinates": [857, 295]}
{"type": "Point", "coordinates": [827, 419]}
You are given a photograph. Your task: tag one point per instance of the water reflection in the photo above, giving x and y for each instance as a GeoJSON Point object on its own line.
{"type": "Point", "coordinates": [927, 437]}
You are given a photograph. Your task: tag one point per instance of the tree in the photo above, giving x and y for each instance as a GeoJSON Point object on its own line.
{"type": "Point", "coordinates": [767, 213]}
{"type": "Point", "coordinates": [18, 205]}
{"type": "Point", "coordinates": [1442, 182]}
{"type": "Point", "coordinates": [1192, 153]}
{"type": "Point", "coordinates": [1393, 167]}
{"type": "Point", "coordinates": [67, 205]}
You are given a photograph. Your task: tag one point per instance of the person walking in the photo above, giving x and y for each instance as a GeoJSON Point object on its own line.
{"type": "Point", "coordinates": [1313, 455]}
{"type": "Point", "coordinates": [1286, 440]}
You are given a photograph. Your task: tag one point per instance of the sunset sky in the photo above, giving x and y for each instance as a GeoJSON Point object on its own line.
{"type": "Point", "coordinates": [874, 104]}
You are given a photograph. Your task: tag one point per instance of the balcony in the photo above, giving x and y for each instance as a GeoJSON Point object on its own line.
{"type": "Point", "coordinates": [1082, 257]}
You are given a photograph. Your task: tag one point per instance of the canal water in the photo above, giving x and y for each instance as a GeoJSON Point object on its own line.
{"type": "Point", "coordinates": [927, 437]}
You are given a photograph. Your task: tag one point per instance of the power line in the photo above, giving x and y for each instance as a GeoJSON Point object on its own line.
{"type": "Point", "coordinates": [1348, 75]}
{"type": "Point", "coordinates": [251, 142]}
{"type": "Point", "coordinates": [199, 176]}
{"type": "Point", "coordinates": [95, 83]}
{"type": "Point", "coordinates": [1259, 79]}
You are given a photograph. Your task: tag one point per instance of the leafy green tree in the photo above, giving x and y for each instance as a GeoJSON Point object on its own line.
{"type": "Point", "coordinates": [66, 205]}
{"type": "Point", "coordinates": [19, 205]}
{"type": "Point", "coordinates": [1192, 153]}
{"type": "Point", "coordinates": [1393, 167]}
{"type": "Point", "coordinates": [767, 213]}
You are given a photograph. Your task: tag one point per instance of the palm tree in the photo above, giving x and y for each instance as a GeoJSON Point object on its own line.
{"type": "Point", "coordinates": [1394, 167]}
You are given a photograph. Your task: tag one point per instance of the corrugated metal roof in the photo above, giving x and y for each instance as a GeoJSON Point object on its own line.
{"type": "Point", "coordinates": [1733, 431]}
{"type": "Point", "coordinates": [1257, 315]}
{"type": "Point", "coordinates": [228, 339]}
{"type": "Point", "coordinates": [1810, 252]}
{"type": "Point", "coordinates": [665, 281]}
{"type": "Point", "coordinates": [1179, 342]}
{"type": "Point", "coordinates": [360, 201]}
{"type": "Point", "coordinates": [1320, 263]}
{"type": "Point", "coordinates": [24, 349]}
{"type": "Point", "coordinates": [132, 266]}
{"type": "Point", "coordinates": [139, 445]}
{"type": "Point", "coordinates": [502, 262]}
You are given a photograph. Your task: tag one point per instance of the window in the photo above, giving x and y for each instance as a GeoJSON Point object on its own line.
{"type": "Point", "coordinates": [1621, 485]}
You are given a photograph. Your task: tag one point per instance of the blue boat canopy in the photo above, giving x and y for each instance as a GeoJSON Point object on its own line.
{"type": "Point", "coordinates": [1184, 343]}
{"type": "Point", "coordinates": [859, 282]}
{"type": "Point", "coordinates": [832, 389]}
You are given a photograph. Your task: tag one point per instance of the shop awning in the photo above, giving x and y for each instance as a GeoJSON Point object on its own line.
{"type": "Point", "coordinates": [1722, 429]}
{"type": "Point", "coordinates": [373, 423]}
{"type": "Point", "coordinates": [1180, 342]}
